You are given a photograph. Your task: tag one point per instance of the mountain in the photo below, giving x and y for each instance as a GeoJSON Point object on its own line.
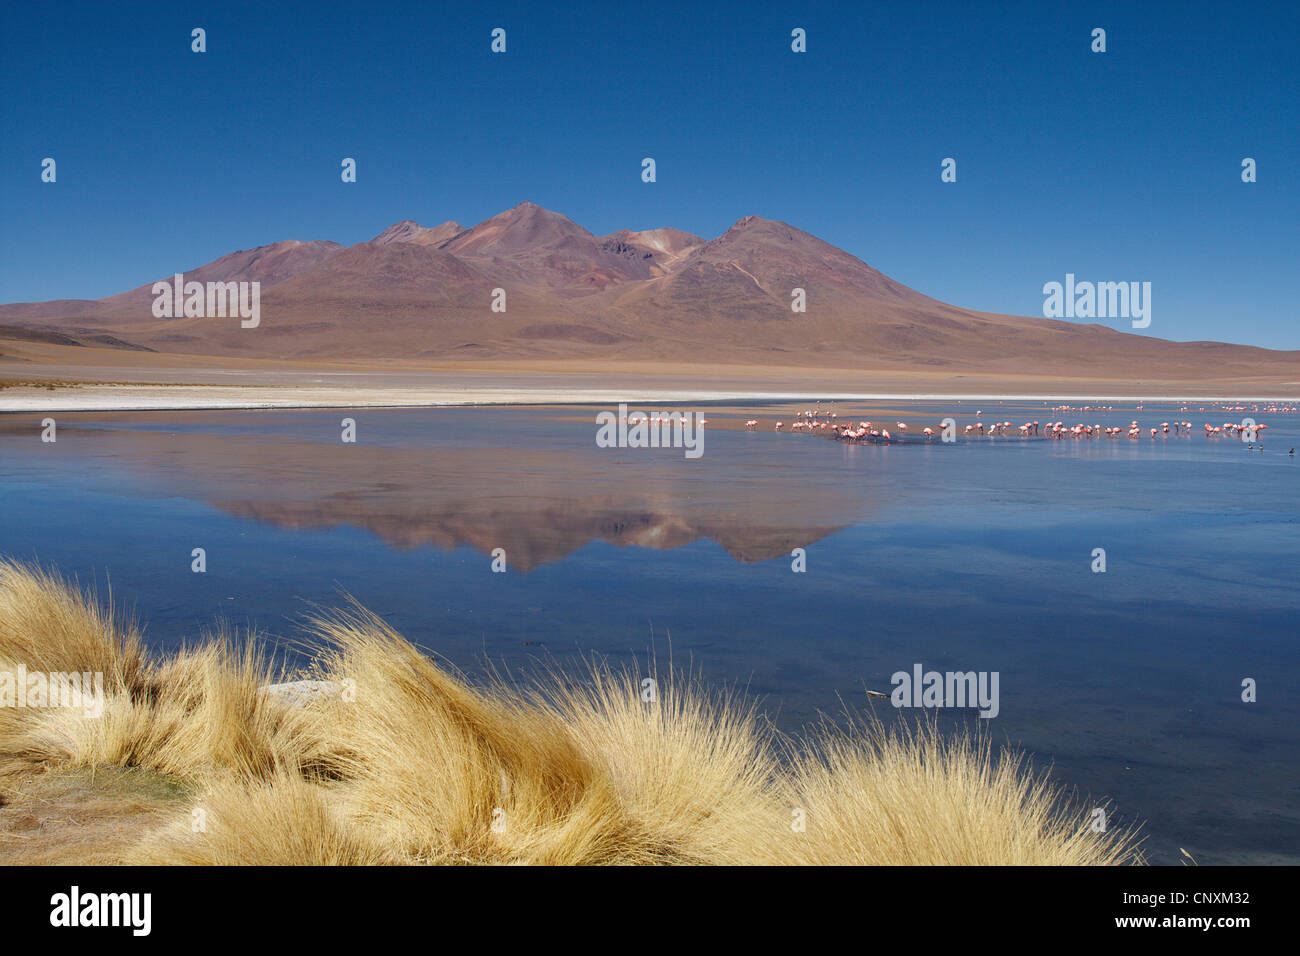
{"type": "Point", "coordinates": [748, 275]}
{"type": "Point", "coordinates": [667, 246]}
{"type": "Point", "coordinates": [536, 249]}
{"type": "Point", "coordinates": [423, 294]}
{"type": "Point", "coordinates": [408, 231]}
{"type": "Point", "coordinates": [270, 265]}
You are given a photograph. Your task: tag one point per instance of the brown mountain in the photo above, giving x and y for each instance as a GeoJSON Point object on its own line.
{"type": "Point", "coordinates": [666, 247]}
{"type": "Point", "coordinates": [425, 294]}
{"type": "Point", "coordinates": [269, 265]}
{"type": "Point", "coordinates": [536, 249]}
{"type": "Point", "coordinates": [408, 231]}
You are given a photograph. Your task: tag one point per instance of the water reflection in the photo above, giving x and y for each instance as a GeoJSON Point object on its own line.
{"type": "Point", "coordinates": [538, 503]}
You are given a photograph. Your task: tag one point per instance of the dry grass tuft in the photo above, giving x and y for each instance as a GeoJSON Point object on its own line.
{"type": "Point", "coordinates": [914, 797]}
{"type": "Point", "coordinates": [404, 761]}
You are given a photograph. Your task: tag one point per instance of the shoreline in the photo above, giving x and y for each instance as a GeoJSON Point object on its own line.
{"type": "Point", "coordinates": [145, 398]}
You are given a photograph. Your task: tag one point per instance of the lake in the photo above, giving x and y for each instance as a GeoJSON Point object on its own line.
{"type": "Point", "coordinates": [975, 555]}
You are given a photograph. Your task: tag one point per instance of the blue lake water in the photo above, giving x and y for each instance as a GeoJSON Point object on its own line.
{"type": "Point", "coordinates": [975, 555]}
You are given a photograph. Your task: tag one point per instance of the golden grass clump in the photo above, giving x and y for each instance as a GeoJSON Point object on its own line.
{"type": "Point", "coordinates": [921, 798]}
{"type": "Point", "coordinates": [394, 759]}
{"type": "Point", "coordinates": [283, 820]}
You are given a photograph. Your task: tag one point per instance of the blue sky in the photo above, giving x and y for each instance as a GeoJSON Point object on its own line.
{"type": "Point", "coordinates": [1117, 166]}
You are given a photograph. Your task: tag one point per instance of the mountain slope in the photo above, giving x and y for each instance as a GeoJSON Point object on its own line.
{"type": "Point", "coordinates": [660, 295]}
{"type": "Point", "coordinates": [536, 249]}
{"type": "Point", "coordinates": [269, 265]}
{"type": "Point", "coordinates": [410, 231]}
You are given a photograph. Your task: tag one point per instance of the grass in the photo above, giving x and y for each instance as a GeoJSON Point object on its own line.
{"type": "Point", "coordinates": [401, 761]}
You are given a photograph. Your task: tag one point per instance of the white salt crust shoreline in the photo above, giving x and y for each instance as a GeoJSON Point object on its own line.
{"type": "Point", "coordinates": [132, 398]}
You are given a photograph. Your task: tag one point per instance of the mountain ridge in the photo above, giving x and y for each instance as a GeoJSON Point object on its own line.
{"type": "Point", "coordinates": [422, 293]}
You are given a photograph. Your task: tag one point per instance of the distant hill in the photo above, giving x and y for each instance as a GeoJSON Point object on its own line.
{"type": "Point", "coordinates": [419, 293]}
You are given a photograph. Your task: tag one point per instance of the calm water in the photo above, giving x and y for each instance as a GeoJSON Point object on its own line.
{"type": "Point", "coordinates": [969, 556]}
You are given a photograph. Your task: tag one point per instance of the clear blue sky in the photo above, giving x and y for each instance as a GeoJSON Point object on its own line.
{"type": "Point", "coordinates": [1115, 166]}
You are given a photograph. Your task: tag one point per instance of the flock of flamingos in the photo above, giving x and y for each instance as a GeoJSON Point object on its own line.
{"type": "Point", "coordinates": [818, 421]}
